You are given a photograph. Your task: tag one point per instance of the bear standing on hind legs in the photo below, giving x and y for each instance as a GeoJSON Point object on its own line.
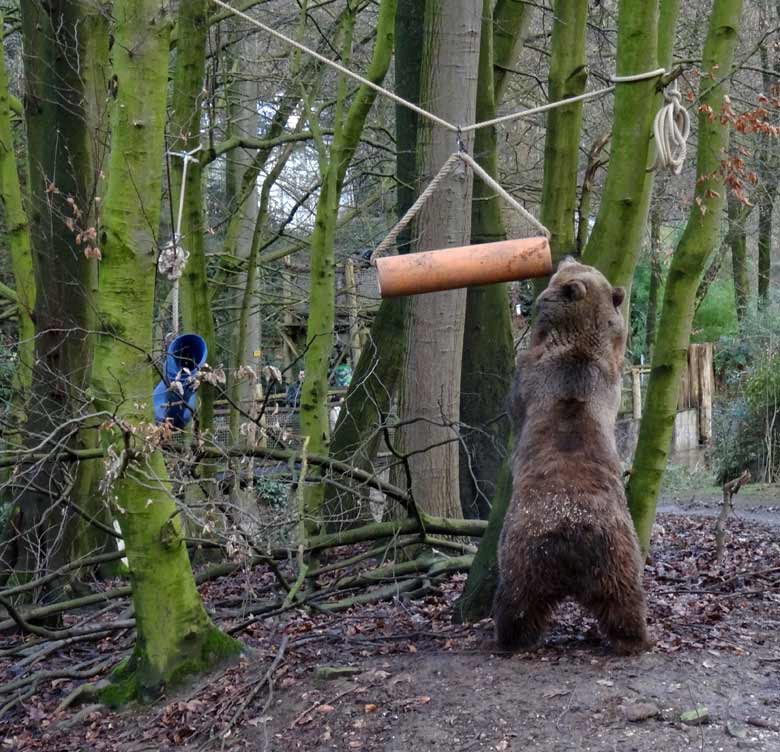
{"type": "Point", "coordinates": [568, 532]}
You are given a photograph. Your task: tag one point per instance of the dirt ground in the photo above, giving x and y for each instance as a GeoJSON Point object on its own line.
{"type": "Point", "coordinates": [420, 683]}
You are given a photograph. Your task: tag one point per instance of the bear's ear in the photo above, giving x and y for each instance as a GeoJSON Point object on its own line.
{"type": "Point", "coordinates": [574, 290]}
{"type": "Point", "coordinates": [618, 296]}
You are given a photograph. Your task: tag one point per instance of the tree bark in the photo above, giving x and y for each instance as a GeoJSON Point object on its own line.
{"type": "Point", "coordinates": [17, 230]}
{"type": "Point", "coordinates": [769, 174]}
{"type": "Point", "coordinates": [614, 243]}
{"type": "Point", "coordinates": [656, 272]}
{"type": "Point", "coordinates": [65, 147]}
{"type": "Point", "coordinates": [175, 636]}
{"type": "Point", "coordinates": [488, 351]}
{"type": "Point", "coordinates": [431, 389]}
{"type": "Point", "coordinates": [568, 77]}
{"type": "Point", "coordinates": [319, 334]}
{"type": "Point", "coordinates": [188, 87]}
{"type": "Point", "coordinates": [737, 240]}
{"type": "Point", "coordinates": [685, 273]}
{"type": "Point", "coordinates": [357, 434]}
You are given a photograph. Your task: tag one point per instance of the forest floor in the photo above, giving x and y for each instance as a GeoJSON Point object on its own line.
{"type": "Point", "coordinates": [418, 682]}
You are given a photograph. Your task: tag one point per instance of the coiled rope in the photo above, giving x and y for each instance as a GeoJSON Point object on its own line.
{"type": "Point", "coordinates": [671, 129]}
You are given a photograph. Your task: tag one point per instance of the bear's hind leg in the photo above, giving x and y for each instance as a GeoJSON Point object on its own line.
{"type": "Point", "coordinates": [622, 617]}
{"type": "Point", "coordinates": [520, 617]}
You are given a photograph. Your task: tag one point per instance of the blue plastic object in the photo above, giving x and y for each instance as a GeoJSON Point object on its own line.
{"type": "Point", "coordinates": [186, 354]}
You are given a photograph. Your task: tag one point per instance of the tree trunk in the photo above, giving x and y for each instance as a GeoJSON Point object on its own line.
{"type": "Point", "coordinates": [65, 100]}
{"type": "Point", "coordinates": [568, 77]}
{"type": "Point", "coordinates": [477, 598]}
{"type": "Point", "coordinates": [488, 351]}
{"type": "Point", "coordinates": [315, 425]}
{"type": "Point", "coordinates": [737, 240]}
{"type": "Point", "coordinates": [614, 243]}
{"type": "Point", "coordinates": [17, 233]}
{"type": "Point", "coordinates": [656, 272]}
{"type": "Point", "coordinates": [431, 390]}
{"type": "Point", "coordinates": [175, 636]}
{"type": "Point", "coordinates": [188, 87]}
{"type": "Point", "coordinates": [375, 381]}
{"type": "Point", "coordinates": [685, 273]}
{"type": "Point", "coordinates": [769, 175]}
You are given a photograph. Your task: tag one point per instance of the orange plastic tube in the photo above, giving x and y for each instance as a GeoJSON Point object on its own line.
{"type": "Point", "coordinates": [465, 266]}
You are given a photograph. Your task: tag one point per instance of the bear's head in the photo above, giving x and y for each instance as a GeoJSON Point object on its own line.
{"type": "Point", "coordinates": [580, 304]}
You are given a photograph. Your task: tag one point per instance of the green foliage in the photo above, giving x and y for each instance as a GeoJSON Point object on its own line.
{"type": "Point", "coordinates": [746, 419]}
{"type": "Point", "coordinates": [717, 316]}
{"type": "Point", "coordinates": [640, 295]}
{"type": "Point", "coordinates": [272, 492]}
{"type": "Point", "coordinates": [682, 479]}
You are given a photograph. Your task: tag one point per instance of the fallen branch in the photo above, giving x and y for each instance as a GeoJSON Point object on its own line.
{"type": "Point", "coordinates": [267, 679]}
{"type": "Point", "coordinates": [730, 490]}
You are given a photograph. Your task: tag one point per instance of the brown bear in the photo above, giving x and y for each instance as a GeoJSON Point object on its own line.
{"type": "Point", "coordinates": [568, 532]}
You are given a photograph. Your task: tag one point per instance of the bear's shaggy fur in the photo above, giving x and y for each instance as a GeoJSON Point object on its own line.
{"type": "Point", "coordinates": [568, 532]}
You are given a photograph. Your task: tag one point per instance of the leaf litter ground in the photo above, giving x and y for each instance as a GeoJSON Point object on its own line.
{"type": "Point", "coordinates": [409, 679]}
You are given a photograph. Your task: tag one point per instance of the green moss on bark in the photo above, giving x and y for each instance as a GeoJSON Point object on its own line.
{"type": "Point", "coordinates": [685, 273]}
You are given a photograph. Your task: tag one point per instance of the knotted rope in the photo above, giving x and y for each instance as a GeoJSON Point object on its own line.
{"type": "Point", "coordinates": [671, 128]}
{"type": "Point", "coordinates": [173, 256]}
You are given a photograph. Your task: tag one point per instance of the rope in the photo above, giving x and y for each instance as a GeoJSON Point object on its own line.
{"type": "Point", "coordinates": [337, 66]}
{"type": "Point", "coordinates": [173, 256]}
{"type": "Point", "coordinates": [412, 211]}
{"type": "Point", "coordinates": [419, 110]}
{"type": "Point", "coordinates": [445, 170]}
{"type": "Point", "coordinates": [491, 183]}
{"type": "Point", "coordinates": [447, 167]}
{"type": "Point", "coordinates": [671, 128]}
{"type": "Point", "coordinates": [569, 100]}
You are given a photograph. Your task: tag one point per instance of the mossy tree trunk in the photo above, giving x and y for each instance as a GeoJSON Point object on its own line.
{"type": "Point", "coordinates": [65, 148]}
{"type": "Point", "coordinates": [374, 384]}
{"type": "Point", "coordinates": [568, 77]}
{"type": "Point", "coordinates": [477, 598]}
{"type": "Point", "coordinates": [322, 310]}
{"type": "Point", "coordinates": [430, 397]}
{"type": "Point", "coordinates": [614, 243]}
{"type": "Point", "coordinates": [656, 272]}
{"type": "Point", "coordinates": [769, 174]}
{"type": "Point", "coordinates": [175, 636]}
{"type": "Point", "coordinates": [188, 92]}
{"type": "Point", "coordinates": [17, 233]}
{"type": "Point", "coordinates": [685, 273]}
{"type": "Point", "coordinates": [488, 352]}
{"type": "Point", "coordinates": [736, 238]}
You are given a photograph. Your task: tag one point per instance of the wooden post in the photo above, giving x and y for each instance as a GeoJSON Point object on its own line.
{"type": "Point", "coordinates": [355, 344]}
{"type": "Point", "coordinates": [706, 390]}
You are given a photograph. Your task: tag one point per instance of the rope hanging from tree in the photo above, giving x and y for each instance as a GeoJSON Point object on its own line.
{"type": "Point", "coordinates": [173, 256]}
{"type": "Point", "coordinates": [671, 128]}
{"type": "Point", "coordinates": [462, 156]}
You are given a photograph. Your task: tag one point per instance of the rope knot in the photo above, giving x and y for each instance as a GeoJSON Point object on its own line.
{"type": "Point", "coordinates": [173, 258]}
{"type": "Point", "coordinates": [671, 128]}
